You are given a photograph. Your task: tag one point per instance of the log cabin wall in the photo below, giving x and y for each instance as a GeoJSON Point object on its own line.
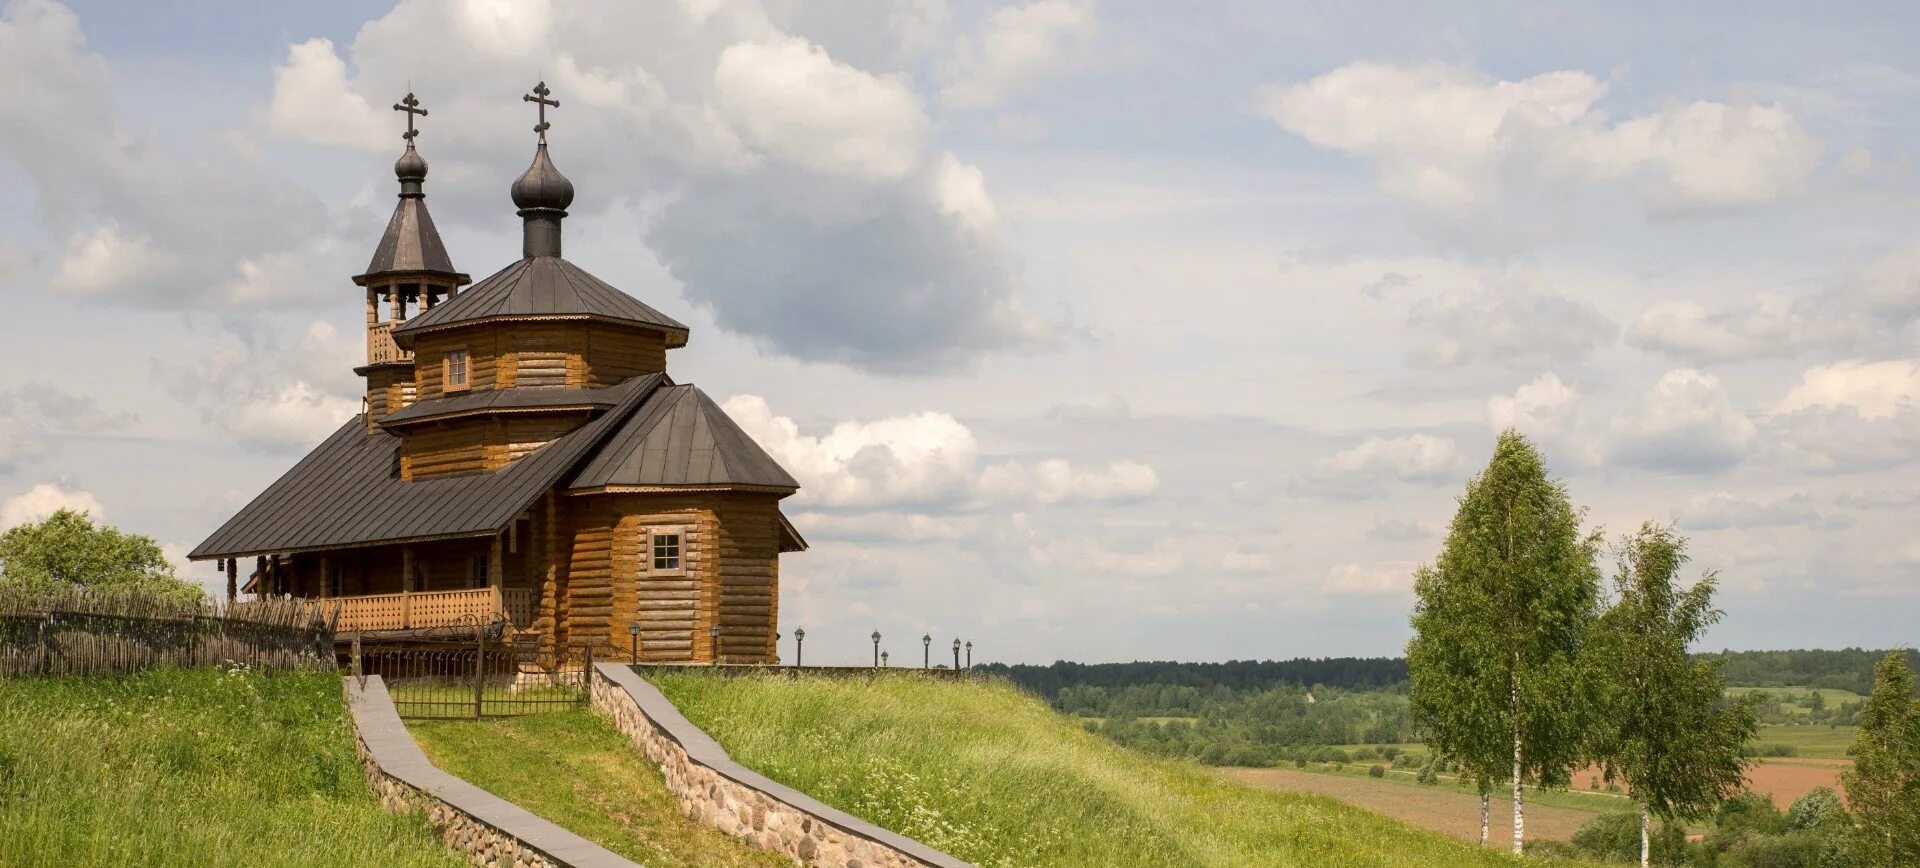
{"type": "Point", "coordinates": [507, 355]}
{"type": "Point", "coordinates": [482, 345]}
{"type": "Point", "coordinates": [389, 390]}
{"type": "Point", "coordinates": [479, 443]}
{"type": "Point", "coordinates": [730, 555]}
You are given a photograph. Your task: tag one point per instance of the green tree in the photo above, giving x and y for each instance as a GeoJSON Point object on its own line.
{"type": "Point", "coordinates": [1883, 787]}
{"type": "Point", "coordinates": [1664, 728]}
{"type": "Point", "coordinates": [67, 551]}
{"type": "Point", "coordinates": [1499, 623]}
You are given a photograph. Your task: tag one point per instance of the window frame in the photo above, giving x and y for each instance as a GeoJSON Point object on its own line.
{"type": "Point", "coordinates": [654, 536]}
{"type": "Point", "coordinates": [466, 371]}
{"type": "Point", "coordinates": [479, 571]}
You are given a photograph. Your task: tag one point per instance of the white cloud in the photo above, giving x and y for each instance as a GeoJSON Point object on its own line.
{"type": "Point", "coordinates": [961, 192]}
{"type": "Point", "coordinates": [1398, 530]}
{"type": "Point", "coordinates": [1686, 330]}
{"type": "Point", "coordinates": [1548, 410]}
{"type": "Point", "coordinates": [1507, 323]}
{"type": "Point", "coordinates": [1684, 424]}
{"type": "Point", "coordinates": [1366, 470]}
{"type": "Point", "coordinates": [923, 458]}
{"type": "Point", "coordinates": [106, 260]}
{"type": "Point", "coordinates": [1875, 390]}
{"type": "Point", "coordinates": [1390, 577]}
{"type": "Point", "coordinates": [1456, 141]}
{"type": "Point", "coordinates": [888, 527]}
{"type": "Point", "coordinates": [1056, 481]}
{"type": "Point", "coordinates": [1019, 45]}
{"type": "Point", "coordinates": [312, 102]}
{"type": "Point", "coordinates": [296, 415]}
{"type": "Point", "coordinates": [787, 98]}
{"type": "Point", "coordinates": [1722, 510]}
{"type": "Point", "coordinates": [43, 500]}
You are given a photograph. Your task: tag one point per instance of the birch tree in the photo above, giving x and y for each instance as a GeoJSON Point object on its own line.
{"type": "Point", "coordinates": [1499, 624]}
{"type": "Point", "coordinates": [1883, 787]}
{"type": "Point", "coordinates": [1665, 728]}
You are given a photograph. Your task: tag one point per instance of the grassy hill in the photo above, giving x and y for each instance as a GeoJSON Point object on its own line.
{"type": "Point", "coordinates": [988, 773]}
{"type": "Point", "coordinates": [192, 768]}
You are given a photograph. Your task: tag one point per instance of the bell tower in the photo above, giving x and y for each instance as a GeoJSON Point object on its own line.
{"type": "Point", "coordinates": [410, 272]}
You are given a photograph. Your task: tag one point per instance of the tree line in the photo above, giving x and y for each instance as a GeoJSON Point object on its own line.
{"type": "Point", "coordinates": [1527, 664]}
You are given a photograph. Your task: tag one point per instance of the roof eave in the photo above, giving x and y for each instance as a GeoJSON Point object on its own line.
{"type": "Point", "coordinates": [459, 278]}
{"type": "Point", "coordinates": [404, 335]}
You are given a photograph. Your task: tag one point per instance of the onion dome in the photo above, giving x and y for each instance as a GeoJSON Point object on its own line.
{"type": "Point", "coordinates": [542, 186]}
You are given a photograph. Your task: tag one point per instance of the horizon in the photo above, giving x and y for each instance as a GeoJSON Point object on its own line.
{"type": "Point", "coordinates": [1092, 331]}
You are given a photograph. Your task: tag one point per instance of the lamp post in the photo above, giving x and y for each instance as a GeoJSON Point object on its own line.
{"type": "Point", "coordinates": [956, 654]}
{"type": "Point", "coordinates": [713, 633]}
{"type": "Point", "coordinates": [633, 641]}
{"type": "Point", "coordinates": [876, 648]}
{"type": "Point", "coordinates": [883, 658]}
{"type": "Point", "coordinates": [799, 646]}
{"type": "Point", "coordinates": [969, 655]}
{"type": "Point", "coordinates": [926, 651]}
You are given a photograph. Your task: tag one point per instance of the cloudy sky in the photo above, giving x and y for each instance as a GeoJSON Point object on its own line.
{"type": "Point", "coordinates": [1095, 330]}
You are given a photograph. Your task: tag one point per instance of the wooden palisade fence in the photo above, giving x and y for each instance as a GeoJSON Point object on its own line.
{"type": "Point", "coordinates": [85, 633]}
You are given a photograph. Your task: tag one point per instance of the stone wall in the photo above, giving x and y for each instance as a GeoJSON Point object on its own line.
{"type": "Point", "coordinates": [715, 790]}
{"type": "Point", "coordinates": [490, 830]}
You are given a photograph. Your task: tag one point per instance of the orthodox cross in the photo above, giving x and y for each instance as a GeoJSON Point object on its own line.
{"type": "Point", "coordinates": [412, 107]}
{"type": "Point", "coordinates": [539, 96]}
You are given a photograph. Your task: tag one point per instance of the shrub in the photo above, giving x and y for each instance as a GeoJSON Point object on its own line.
{"type": "Point", "coordinates": [1818, 807]}
{"type": "Point", "coordinates": [1390, 753]}
{"type": "Point", "coordinates": [1616, 837]}
{"type": "Point", "coordinates": [1377, 771]}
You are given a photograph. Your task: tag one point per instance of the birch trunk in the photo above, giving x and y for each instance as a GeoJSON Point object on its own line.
{"type": "Point", "coordinates": [1646, 849]}
{"type": "Point", "coordinates": [1486, 805]}
{"type": "Point", "coordinates": [1519, 798]}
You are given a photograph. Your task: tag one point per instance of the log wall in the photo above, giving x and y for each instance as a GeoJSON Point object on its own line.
{"type": "Point", "coordinates": [730, 550]}
{"type": "Point", "coordinates": [480, 443]}
{"type": "Point", "coordinates": [564, 353]}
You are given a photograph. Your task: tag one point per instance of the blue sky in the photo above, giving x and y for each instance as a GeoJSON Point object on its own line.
{"type": "Point", "coordinates": [1095, 330]}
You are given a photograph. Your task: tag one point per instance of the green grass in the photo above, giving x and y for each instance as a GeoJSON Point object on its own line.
{"type": "Point", "coordinates": [573, 768]}
{"type": "Point", "coordinates": [1579, 796]}
{"type": "Point", "coordinates": [1811, 740]}
{"type": "Point", "coordinates": [192, 768]}
{"type": "Point", "coordinates": [986, 773]}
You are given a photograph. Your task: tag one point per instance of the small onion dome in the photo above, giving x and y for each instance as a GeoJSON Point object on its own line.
{"type": "Point", "coordinates": [542, 187]}
{"type": "Point", "coordinates": [411, 166]}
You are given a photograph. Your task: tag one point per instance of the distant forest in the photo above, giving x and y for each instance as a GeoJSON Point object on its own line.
{"type": "Point", "coordinates": [1262, 712]}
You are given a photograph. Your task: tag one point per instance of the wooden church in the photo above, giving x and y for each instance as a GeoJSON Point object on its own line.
{"type": "Point", "coordinates": [524, 463]}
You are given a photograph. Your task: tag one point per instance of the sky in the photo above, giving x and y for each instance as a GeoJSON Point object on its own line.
{"type": "Point", "coordinates": [1093, 330]}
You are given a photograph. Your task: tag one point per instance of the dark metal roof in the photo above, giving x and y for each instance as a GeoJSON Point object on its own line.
{"type": "Point", "coordinates": [348, 491]}
{"type": "Point", "coordinates": [680, 437]}
{"type": "Point", "coordinates": [543, 286]}
{"type": "Point", "coordinates": [521, 398]}
{"type": "Point", "coordinates": [411, 244]}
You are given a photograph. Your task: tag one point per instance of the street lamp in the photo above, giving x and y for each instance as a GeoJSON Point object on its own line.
{"type": "Point", "coordinates": [926, 651]}
{"type": "Point", "coordinates": [799, 645]}
{"type": "Point", "coordinates": [969, 655]}
{"type": "Point", "coordinates": [633, 641]}
{"type": "Point", "coordinates": [713, 633]}
{"type": "Point", "coordinates": [883, 658]}
{"type": "Point", "coordinates": [876, 648]}
{"type": "Point", "coordinates": [956, 653]}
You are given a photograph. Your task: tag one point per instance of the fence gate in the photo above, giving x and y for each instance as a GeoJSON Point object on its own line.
{"type": "Point", "coordinates": [486, 677]}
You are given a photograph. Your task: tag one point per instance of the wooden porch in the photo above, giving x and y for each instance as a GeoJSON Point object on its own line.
{"type": "Point", "coordinates": [420, 610]}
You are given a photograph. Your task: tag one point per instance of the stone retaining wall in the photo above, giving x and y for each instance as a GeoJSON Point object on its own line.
{"type": "Point", "coordinates": [715, 790]}
{"type": "Point", "coordinates": [490, 830]}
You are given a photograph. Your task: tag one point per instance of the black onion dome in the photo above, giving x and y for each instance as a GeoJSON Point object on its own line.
{"type": "Point", "coordinates": [542, 187]}
{"type": "Point", "coordinates": [411, 166]}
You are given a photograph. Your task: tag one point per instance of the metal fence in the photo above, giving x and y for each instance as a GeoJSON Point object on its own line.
{"type": "Point", "coordinates": [82, 634]}
{"type": "Point", "coordinates": [484, 677]}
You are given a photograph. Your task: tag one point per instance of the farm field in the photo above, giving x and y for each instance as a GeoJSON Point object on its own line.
{"type": "Point", "coordinates": [195, 767]}
{"type": "Point", "coordinates": [573, 768]}
{"type": "Point", "coordinates": [1451, 811]}
{"type": "Point", "coordinates": [1816, 741]}
{"type": "Point", "coordinates": [991, 775]}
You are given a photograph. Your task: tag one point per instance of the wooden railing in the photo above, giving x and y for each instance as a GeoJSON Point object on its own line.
{"type": "Point", "coordinates": [380, 345]}
{"type": "Point", "coordinates": [414, 610]}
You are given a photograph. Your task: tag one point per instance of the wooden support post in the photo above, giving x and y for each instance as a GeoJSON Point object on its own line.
{"type": "Point", "coordinates": [406, 587]}
{"type": "Point", "coordinates": [496, 570]}
{"type": "Point", "coordinates": [260, 582]}
{"type": "Point", "coordinates": [233, 579]}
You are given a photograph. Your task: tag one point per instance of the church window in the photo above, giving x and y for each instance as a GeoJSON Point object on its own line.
{"type": "Point", "coordinates": [456, 370]}
{"type": "Point", "coordinates": [666, 554]}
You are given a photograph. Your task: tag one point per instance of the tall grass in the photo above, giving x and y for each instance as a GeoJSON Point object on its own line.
{"type": "Point", "coordinates": [986, 773]}
{"type": "Point", "coordinates": [176, 767]}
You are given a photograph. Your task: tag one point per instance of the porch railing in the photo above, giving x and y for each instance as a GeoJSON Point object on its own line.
{"type": "Point", "coordinates": [413, 610]}
{"type": "Point", "coordinates": [381, 347]}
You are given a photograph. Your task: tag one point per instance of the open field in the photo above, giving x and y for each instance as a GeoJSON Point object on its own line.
{"type": "Point", "coordinates": [192, 768]}
{"type": "Point", "coordinates": [1811, 740]}
{"type": "Point", "coordinates": [573, 768]}
{"type": "Point", "coordinates": [1450, 811]}
{"type": "Point", "coordinates": [990, 774]}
